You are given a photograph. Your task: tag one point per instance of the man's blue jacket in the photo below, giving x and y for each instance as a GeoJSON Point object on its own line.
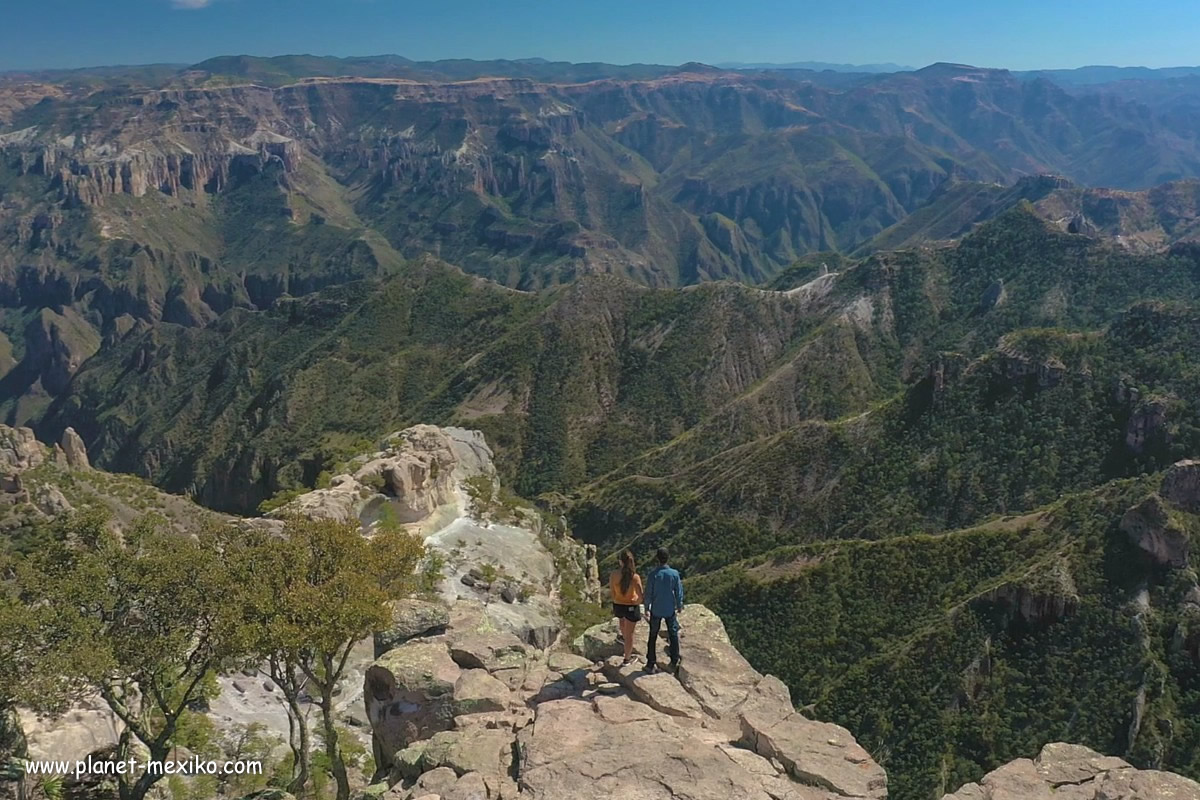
{"type": "Point", "coordinates": [664, 592]}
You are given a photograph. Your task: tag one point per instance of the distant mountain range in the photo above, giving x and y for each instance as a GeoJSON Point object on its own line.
{"type": "Point", "coordinates": [816, 66]}
{"type": "Point", "coordinates": [273, 70]}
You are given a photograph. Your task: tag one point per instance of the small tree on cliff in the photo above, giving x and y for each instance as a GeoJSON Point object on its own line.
{"type": "Point", "coordinates": [145, 621]}
{"type": "Point", "coordinates": [324, 587]}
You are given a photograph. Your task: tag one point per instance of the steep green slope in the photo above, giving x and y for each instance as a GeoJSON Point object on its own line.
{"type": "Point", "coordinates": [592, 384]}
{"type": "Point", "coordinates": [949, 655]}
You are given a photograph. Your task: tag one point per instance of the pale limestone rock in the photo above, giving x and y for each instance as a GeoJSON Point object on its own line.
{"type": "Point", "coordinates": [480, 750]}
{"type": "Point", "coordinates": [661, 691]}
{"type": "Point", "coordinates": [409, 695]}
{"type": "Point", "coordinates": [19, 449]}
{"type": "Point", "coordinates": [1145, 785]}
{"type": "Point", "coordinates": [411, 618]}
{"type": "Point", "coordinates": [585, 731]}
{"type": "Point", "coordinates": [815, 753]}
{"type": "Point", "coordinates": [1071, 772]}
{"type": "Point", "coordinates": [477, 692]}
{"type": "Point", "coordinates": [1060, 763]}
{"type": "Point", "coordinates": [74, 450]}
{"type": "Point", "coordinates": [418, 471]}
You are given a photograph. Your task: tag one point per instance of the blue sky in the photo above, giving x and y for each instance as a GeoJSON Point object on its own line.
{"type": "Point", "coordinates": [1019, 34]}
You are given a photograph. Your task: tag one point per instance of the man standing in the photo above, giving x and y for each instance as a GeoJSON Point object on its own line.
{"type": "Point", "coordinates": [664, 599]}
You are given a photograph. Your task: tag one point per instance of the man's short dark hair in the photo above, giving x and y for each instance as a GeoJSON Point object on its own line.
{"type": "Point", "coordinates": [663, 555]}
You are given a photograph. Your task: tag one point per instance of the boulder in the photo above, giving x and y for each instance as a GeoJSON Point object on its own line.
{"type": "Point", "coordinates": [471, 786]}
{"type": "Point", "coordinates": [411, 618]}
{"type": "Point", "coordinates": [1145, 785]}
{"type": "Point", "coordinates": [490, 651]}
{"type": "Point", "coordinates": [1059, 764]}
{"type": "Point", "coordinates": [473, 750]}
{"type": "Point", "coordinates": [409, 694]}
{"type": "Point", "coordinates": [477, 692]}
{"type": "Point", "coordinates": [1181, 486]}
{"type": "Point", "coordinates": [815, 753]}
{"type": "Point", "coordinates": [74, 450]}
{"type": "Point", "coordinates": [438, 781]}
{"type": "Point", "coordinates": [1071, 772]}
{"type": "Point", "coordinates": [565, 662]}
{"type": "Point", "coordinates": [712, 670]}
{"type": "Point", "coordinates": [406, 764]}
{"type": "Point", "coordinates": [599, 642]}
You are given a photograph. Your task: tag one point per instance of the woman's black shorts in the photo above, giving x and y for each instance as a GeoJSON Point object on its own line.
{"type": "Point", "coordinates": [631, 613]}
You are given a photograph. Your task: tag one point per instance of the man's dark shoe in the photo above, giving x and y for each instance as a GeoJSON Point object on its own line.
{"type": "Point", "coordinates": [673, 668]}
{"type": "Point", "coordinates": [651, 669]}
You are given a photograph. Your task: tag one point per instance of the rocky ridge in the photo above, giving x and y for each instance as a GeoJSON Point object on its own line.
{"type": "Point", "coordinates": [39, 483]}
{"type": "Point", "coordinates": [475, 692]}
{"type": "Point", "coordinates": [1155, 525]}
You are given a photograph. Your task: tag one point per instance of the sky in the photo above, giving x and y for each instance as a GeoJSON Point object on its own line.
{"type": "Point", "coordinates": [1016, 34]}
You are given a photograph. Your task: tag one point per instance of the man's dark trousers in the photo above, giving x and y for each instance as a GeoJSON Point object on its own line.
{"type": "Point", "coordinates": [672, 639]}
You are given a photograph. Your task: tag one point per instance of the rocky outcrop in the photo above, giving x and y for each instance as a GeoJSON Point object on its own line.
{"type": "Point", "coordinates": [1147, 424]}
{"type": "Point", "coordinates": [1158, 525]}
{"type": "Point", "coordinates": [1151, 527]}
{"type": "Point", "coordinates": [1047, 372]}
{"type": "Point", "coordinates": [19, 449]}
{"type": "Point", "coordinates": [419, 470]}
{"type": "Point", "coordinates": [1046, 596]}
{"type": "Point", "coordinates": [517, 723]}
{"type": "Point", "coordinates": [74, 451]}
{"type": "Point", "coordinates": [1071, 772]}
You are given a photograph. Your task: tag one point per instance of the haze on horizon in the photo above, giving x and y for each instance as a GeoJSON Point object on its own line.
{"type": "Point", "coordinates": [1019, 34]}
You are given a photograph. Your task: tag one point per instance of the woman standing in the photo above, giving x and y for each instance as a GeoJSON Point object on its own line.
{"type": "Point", "coordinates": [626, 587]}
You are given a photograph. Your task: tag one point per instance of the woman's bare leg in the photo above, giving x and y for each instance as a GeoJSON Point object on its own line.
{"type": "Point", "coordinates": [627, 631]}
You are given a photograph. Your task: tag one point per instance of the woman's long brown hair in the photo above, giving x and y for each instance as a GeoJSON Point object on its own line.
{"type": "Point", "coordinates": [628, 570]}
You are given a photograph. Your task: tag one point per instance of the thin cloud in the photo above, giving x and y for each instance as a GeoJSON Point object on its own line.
{"type": "Point", "coordinates": [192, 4]}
